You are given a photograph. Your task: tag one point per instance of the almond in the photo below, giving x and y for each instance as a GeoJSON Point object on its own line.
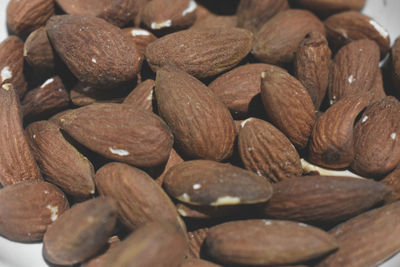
{"type": "Point", "coordinates": [331, 6]}
{"type": "Point", "coordinates": [141, 38]}
{"type": "Point", "coordinates": [173, 159]}
{"type": "Point", "coordinates": [83, 94]}
{"type": "Point", "coordinates": [392, 180]}
{"type": "Point", "coordinates": [215, 21]}
{"type": "Point", "coordinates": [142, 96]}
{"type": "Point", "coordinates": [196, 241]}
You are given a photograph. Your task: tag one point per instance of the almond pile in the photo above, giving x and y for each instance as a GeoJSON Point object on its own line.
{"type": "Point", "coordinates": [200, 133]}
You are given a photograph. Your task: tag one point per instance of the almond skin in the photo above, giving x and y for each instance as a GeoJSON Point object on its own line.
{"type": "Point", "coordinates": [202, 125]}
{"type": "Point", "coordinates": [142, 96]}
{"type": "Point", "coordinates": [28, 208]}
{"type": "Point", "coordinates": [266, 151]}
{"type": "Point", "coordinates": [277, 40]}
{"type": "Point", "coordinates": [288, 105]}
{"type": "Point", "coordinates": [109, 130]}
{"type": "Point", "coordinates": [201, 53]}
{"type": "Point", "coordinates": [392, 180]}
{"type": "Point", "coordinates": [322, 199]}
{"type": "Point", "coordinates": [141, 38]}
{"type": "Point", "coordinates": [331, 6]}
{"type": "Point", "coordinates": [266, 242]}
{"type": "Point", "coordinates": [17, 162]}
{"type": "Point", "coordinates": [95, 51]}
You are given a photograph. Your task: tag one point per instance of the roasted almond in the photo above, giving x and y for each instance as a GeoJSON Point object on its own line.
{"type": "Point", "coordinates": [141, 38]}
{"type": "Point", "coordinates": [173, 159]}
{"type": "Point", "coordinates": [392, 180]}
{"type": "Point", "coordinates": [142, 95]}
{"type": "Point", "coordinates": [196, 241]}
{"type": "Point", "coordinates": [215, 21]}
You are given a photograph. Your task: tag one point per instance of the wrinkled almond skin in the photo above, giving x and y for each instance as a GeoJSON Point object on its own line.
{"type": "Point", "coordinates": [288, 105]}
{"type": "Point", "coordinates": [28, 208]}
{"type": "Point", "coordinates": [266, 151]}
{"type": "Point", "coordinates": [59, 161]}
{"type": "Point", "coordinates": [239, 87]}
{"type": "Point", "coordinates": [139, 199]}
{"type": "Point", "coordinates": [205, 182]}
{"type": "Point", "coordinates": [331, 143]}
{"type": "Point", "coordinates": [331, 6]}
{"type": "Point", "coordinates": [165, 14]}
{"type": "Point", "coordinates": [12, 64]}
{"type": "Point", "coordinates": [25, 16]}
{"type": "Point", "coordinates": [96, 52]}
{"type": "Point", "coordinates": [396, 63]}
{"type": "Point", "coordinates": [349, 26]}
{"type": "Point", "coordinates": [109, 130]}
{"type": "Point", "coordinates": [392, 180]}
{"type": "Point", "coordinates": [376, 233]}
{"type": "Point", "coordinates": [277, 40]}
{"type": "Point", "coordinates": [196, 240]}
{"type": "Point", "coordinates": [80, 232]}
{"type": "Point", "coordinates": [152, 245]}
{"type": "Point", "coordinates": [323, 199]}
{"type": "Point", "coordinates": [267, 242]}
{"type": "Point", "coordinates": [141, 38]}
{"type": "Point", "coordinates": [354, 69]}
{"type": "Point", "coordinates": [142, 95]}
{"type": "Point", "coordinates": [376, 135]}
{"type": "Point", "coordinates": [201, 53]}
{"type": "Point", "coordinates": [252, 14]}
{"type": "Point", "coordinates": [173, 159]}
{"type": "Point", "coordinates": [201, 124]}
{"type": "Point", "coordinates": [311, 66]}
{"type": "Point", "coordinates": [17, 162]}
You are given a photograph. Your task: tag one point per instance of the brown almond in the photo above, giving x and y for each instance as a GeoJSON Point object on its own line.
{"type": "Point", "coordinates": [109, 130]}
{"type": "Point", "coordinates": [376, 233]}
{"type": "Point", "coordinates": [267, 242]}
{"type": "Point", "coordinates": [17, 162]}
{"type": "Point", "coordinates": [215, 21]}
{"type": "Point", "coordinates": [142, 95]}
{"type": "Point", "coordinates": [288, 105]}
{"type": "Point", "coordinates": [201, 53]}
{"type": "Point", "coordinates": [59, 161]}
{"type": "Point", "coordinates": [331, 6]}
{"type": "Point", "coordinates": [267, 152]}
{"type": "Point", "coordinates": [392, 180]}
{"type": "Point", "coordinates": [80, 232]}
{"type": "Point", "coordinates": [395, 53]}
{"type": "Point", "coordinates": [196, 241]}
{"type": "Point", "coordinates": [207, 212]}
{"type": "Point", "coordinates": [96, 52]}
{"type": "Point", "coordinates": [204, 182]}
{"type": "Point", "coordinates": [277, 40]}
{"type": "Point", "coordinates": [141, 38]}
{"type": "Point", "coordinates": [201, 124]}
{"type": "Point", "coordinates": [323, 199]}
{"type": "Point", "coordinates": [27, 209]}
{"type": "Point", "coordinates": [98, 260]}
{"type": "Point", "coordinates": [173, 159]}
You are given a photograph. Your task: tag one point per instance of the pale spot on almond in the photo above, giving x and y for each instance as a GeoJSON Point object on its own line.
{"type": "Point", "coordinates": [266, 222]}
{"type": "Point", "coordinates": [190, 8]}
{"type": "Point", "coordinates": [364, 119]}
{"type": "Point", "coordinates": [393, 136]}
{"type": "Point", "coordinates": [139, 32]}
{"type": "Point", "coordinates": [303, 224]}
{"type": "Point", "coordinates": [184, 197]}
{"type": "Point", "coordinates": [6, 74]}
{"type": "Point", "coordinates": [94, 60]}
{"type": "Point", "coordinates": [379, 28]}
{"type": "Point", "coordinates": [53, 211]}
{"type": "Point", "coordinates": [182, 212]}
{"type": "Point", "coordinates": [47, 82]}
{"type": "Point", "coordinates": [226, 200]}
{"type": "Point", "coordinates": [6, 86]}
{"type": "Point", "coordinates": [196, 186]}
{"type": "Point", "coordinates": [119, 152]}
{"type": "Point", "coordinates": [351, 79]}
{"type": "Point", "coordinates": [243, 123]}
{"type": "Point", "coordinates": [160, 25]}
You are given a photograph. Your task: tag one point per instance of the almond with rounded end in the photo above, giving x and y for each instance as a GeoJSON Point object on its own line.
{"type": "Point", "coordinates": [376, 233]}
{"type": "Point", "coordinates": [266, 151]}
{"type": "Point", "coordinates": [155, 244]}
{"type": "Point", "coordinates": [17, 162]}
{"type": "Point", "coordinates": [323, 199]}
{"type": "Point", "coordinates": [80, 232]}
{"type": "Point", "coordinates": [201, 124]}
{"type": "Point", "coordinates": [141, 38]}
{"type": "Point", "coordinates": [277, 40]}
{"type": "Point", "coordinates": [201, 53]}
{"type": "Point", "coordinates": [331, 144]}
{"type": "Point", "coordinates": [142, 96]}
{"type": "Point", "coordinates": [376, 135]}
{"type": "Point", "coordinates": [96, 52]}
{"type": "Point", "coordinates": [28, 208]}
{"type": "Point", "coordinates": [331, 6]}
{"type": "Point", "coordinates": [59, 161]}
{"type": "Point", "coordinates": [240, 87]}
{"type": "Point", "coordinates": [25, 16]}
{"type": "Point", "coordinates": [267, 242]}
{"type": "Point", "coordinates": [311, 66]}
{"type": "Point", "coordinates": [205, 182]}
{"type": "Point", "coordinates": [139, 199]}
{"type": "Point", "coordinates": [288, 105]}
{"type": "Point", "coordinates": [109, 130]}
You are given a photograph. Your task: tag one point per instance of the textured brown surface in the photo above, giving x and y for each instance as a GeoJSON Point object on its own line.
{"type": "Point", "coordinates": [198, 263]}
{"type": "Point", "coordinates": [215, 21]}
{"type": "Point", "coordinates": [173, 159]}
{"type": "Point", "coordinates": [38, 51]}
{"type": "Point", "coordinates": [331, 6]}
{"type": "Point", "coordinates": [392, 180]}
{"type": "Point", "coordinates": [396, 63]}
{"type": "Point", "coordinates": [142, 95]}
{"type": "Point", "coordinates": [196, 240]}
{"type": "Point", "coordinates": [141, 38]}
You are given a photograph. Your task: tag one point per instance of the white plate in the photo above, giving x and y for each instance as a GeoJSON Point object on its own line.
{"type": "Point", "coordinates": [14, 254]}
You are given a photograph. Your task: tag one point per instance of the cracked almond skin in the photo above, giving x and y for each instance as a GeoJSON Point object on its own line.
{"type": "Point", "coordinates": [331, 6]}
{"type": "Point", "coordinates": [288, 105]}
{"type": "Point", "coordinates": [311, 66]}
{"type": "Point", "coordinates": [17, 162]}
{"type": "Point", "coordinates": [368, 239]}
{"type": "Point", "coordinates": [96, 52]}
{"type": "Point", "coordinates": [376, 135]}
{"type": "Point", "coordinates": [155, 244]}
{"type": "Point", "coordinates": [205, 182]}
{"type": "Point", "coordinates": [323, 199]}
{"type": "Point", "coordinates": [267, 151]}
{"type": "Point", "coordinates": [277, 40]}
{"type": "Point", "coordinates": [201, 53]}
{"type": "Point", "coordinates": [332, 142]}
{"type": "Point", "coordinates": [80, 232]}
{"type": "Point", "coordinates": [201, 124]}
{"type": "Point", "coordinates": [140, 200]}
{"type": "Point", "coordinates": [59, 161]}
{"type": "Point", "coordinates": [349, 26]}
{"type": "Point", "coordinates": [267, 242]}
{"type": "Point", "coordinates": [109, 130]}
{"type": "Point", "coordinates": [354, 69]}
{"type": "Point", "coordinates": [27, 208]}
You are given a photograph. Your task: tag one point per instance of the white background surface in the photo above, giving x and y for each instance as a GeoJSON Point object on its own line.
{"type": "Point", "coordinates": [12, 254]}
